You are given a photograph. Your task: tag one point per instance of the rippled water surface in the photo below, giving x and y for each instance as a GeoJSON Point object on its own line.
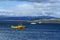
{"type": "Point", "coordinates": [44, 31]}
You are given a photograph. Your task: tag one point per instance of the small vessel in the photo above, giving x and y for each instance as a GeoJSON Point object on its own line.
{"type": "Point", "coordinates": [39, 22]}
{"type": "Point", "coordinates": [20, 26]}
{"type": "Point", "coordinates": [33, 23]}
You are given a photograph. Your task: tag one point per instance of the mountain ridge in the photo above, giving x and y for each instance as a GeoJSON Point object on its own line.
{"type": "Point", "coordinates": [26, 18]}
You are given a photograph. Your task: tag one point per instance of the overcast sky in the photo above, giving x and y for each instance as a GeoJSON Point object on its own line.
{"type": "Point", "coordinates": [30, 8]}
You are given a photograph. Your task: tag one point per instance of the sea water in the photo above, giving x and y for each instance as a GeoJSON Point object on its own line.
{"type": "Point", "coordinates": [43, 31]}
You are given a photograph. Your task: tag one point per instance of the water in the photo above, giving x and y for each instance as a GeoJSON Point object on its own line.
{"type": "Point", "coordinates": [44, 31]}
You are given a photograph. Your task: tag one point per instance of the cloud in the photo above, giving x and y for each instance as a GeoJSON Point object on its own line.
{"type": "Point", "coordinates": [5, 12]}
{"type": "Point", "coordinates": [27, 0]}
{"type": "Point", "coordinates": [34, 9]}
{"type": "Point", "coordinates": [51, 8]}
{"type": "Point", "coordinates": [38, 9]}
{"type": "Point", "coordinates": [40, 1]}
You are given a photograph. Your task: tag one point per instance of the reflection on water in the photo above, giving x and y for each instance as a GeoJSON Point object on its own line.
{"type": "Point", "coordinates": [30, 32]}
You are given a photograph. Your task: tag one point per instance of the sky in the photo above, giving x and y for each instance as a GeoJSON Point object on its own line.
{"type": "Point", "coordinates": [30, 8]}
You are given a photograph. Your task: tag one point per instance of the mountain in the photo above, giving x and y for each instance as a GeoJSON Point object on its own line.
{"type": "Point", "coordinates": [26, 18]}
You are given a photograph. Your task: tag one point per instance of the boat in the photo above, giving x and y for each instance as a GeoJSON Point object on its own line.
{"type": "Point", "coordinates": [33, 23]}
{"type": "Point", "coordinates": [39, 22]}
{"type": "Point", "coordinates": [20, 26]}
